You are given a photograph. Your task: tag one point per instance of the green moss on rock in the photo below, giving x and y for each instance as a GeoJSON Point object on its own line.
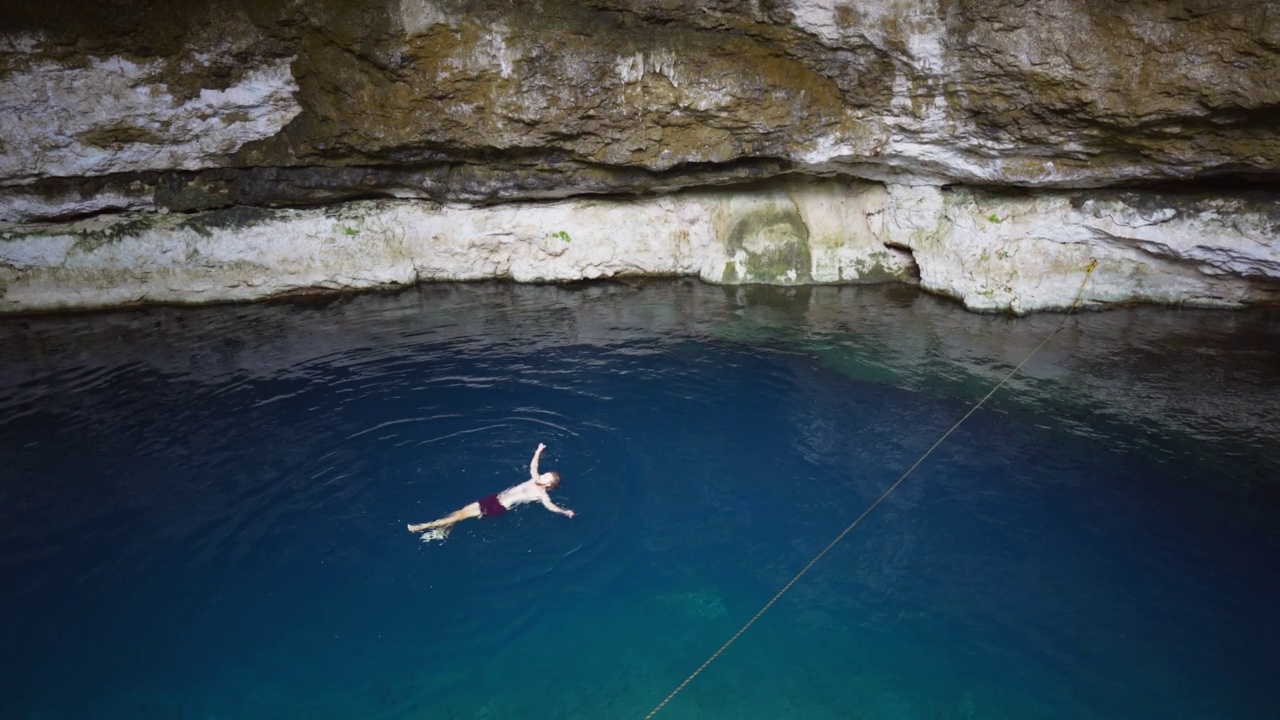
{"type": "Point", "coordinates": [90, 239]}
{"type": "Point", "coordinates": [773, 241]}
{"type": "Point", "coordinates": [229, 219]}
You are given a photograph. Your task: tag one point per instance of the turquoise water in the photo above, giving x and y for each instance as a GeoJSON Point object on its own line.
{"type": "Point", "coordinates": [202, 511]}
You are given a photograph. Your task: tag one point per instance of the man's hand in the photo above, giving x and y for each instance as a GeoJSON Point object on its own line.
{"type": "Point", "coordinates": [541, 447]}
{"type": "Point", "coordinates": [568, 513]}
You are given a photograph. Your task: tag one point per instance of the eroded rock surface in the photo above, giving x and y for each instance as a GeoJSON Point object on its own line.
{"type": "Point", "coordinates": [114, 109]}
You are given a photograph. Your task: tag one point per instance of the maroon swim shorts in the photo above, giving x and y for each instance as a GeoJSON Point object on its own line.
{"type": "Point", "coordinates": [490, 507]}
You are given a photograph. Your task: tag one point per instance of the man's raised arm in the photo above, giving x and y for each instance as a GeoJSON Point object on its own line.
{"type": "Point", "coordinates": [533, 466]}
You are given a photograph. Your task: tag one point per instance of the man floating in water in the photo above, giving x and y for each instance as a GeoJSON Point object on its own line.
{"type": "Point", "coordinates": [532, 490]}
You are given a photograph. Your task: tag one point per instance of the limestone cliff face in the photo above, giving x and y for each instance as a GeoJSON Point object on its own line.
{"type": "Point", "coordinates": [969, 143]}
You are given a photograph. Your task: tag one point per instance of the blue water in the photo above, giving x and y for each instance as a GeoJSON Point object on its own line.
{"type": "Point", "coordinates": [202, 511]}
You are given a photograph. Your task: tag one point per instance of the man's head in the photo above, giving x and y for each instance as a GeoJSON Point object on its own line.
{"type": "Point", "coordinates": [549, 480]}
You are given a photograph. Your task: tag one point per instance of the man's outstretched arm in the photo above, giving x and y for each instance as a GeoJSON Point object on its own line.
{"type": "Point", "coordinates": [546, 503]}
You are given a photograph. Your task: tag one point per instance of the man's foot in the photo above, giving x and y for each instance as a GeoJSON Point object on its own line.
{"type": "Point", "coordinates": [419, 527]}
{"type": "Point", "coordinates": [435, 534]}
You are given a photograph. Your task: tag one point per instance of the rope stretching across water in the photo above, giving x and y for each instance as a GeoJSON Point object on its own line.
{"type": "Point", "coordinates": [1075, 304]}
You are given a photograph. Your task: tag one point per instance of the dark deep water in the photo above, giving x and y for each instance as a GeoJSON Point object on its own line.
{"type": "Point", "coordinates": [202, 511]}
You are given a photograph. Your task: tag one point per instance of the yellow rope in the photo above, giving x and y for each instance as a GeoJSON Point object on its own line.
{"type": "Point", "coordinates": [1075, 304]}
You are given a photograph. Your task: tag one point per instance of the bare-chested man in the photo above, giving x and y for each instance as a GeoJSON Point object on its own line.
{"type": "Point", "coordinates": [532, 490]}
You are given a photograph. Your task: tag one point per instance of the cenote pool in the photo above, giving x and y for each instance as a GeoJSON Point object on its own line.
{"type": "Point", "coordinates": [203, 510]}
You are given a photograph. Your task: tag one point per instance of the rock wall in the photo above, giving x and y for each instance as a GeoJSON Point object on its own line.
{"type": "Point", "coordinates": [987, 148]}
{"type": "Point", "coordinates": [990, 251]}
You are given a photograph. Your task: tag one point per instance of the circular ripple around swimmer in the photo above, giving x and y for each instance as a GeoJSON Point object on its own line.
{"type": "Point", "coordinates": [527, 545]}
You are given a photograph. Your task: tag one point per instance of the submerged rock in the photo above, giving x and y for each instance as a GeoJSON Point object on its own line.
{"type": "Point", "coordinates": [702, 604]}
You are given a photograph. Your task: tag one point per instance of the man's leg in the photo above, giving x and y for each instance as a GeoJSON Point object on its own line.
{"type": "Point", "coordinates": [466, 513]}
